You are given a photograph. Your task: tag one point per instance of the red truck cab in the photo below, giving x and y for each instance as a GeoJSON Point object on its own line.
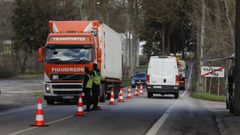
{"type": "Point", "coordinates": [69, 48]}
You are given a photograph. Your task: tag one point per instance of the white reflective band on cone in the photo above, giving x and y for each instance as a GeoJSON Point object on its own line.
{"type": "Point", "coordinates": [39, 117]}
{"type": "Point", "coordinates": [39, 106]}
{"type": "Point", "coordinates": [80, 100]}
{"type": "Point", "coordinates": [80, 109]}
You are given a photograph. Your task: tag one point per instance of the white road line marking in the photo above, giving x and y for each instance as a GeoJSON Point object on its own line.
{"type": "Point", "coordinates": [158, 124]}
{"type": "Point", "coordinates": [49, 123]}
{"type": "Point", "coordinates": [154, 129]}
{"type": "Point", "coordinates": [17, 110]}
{"type": "Point", "coordinates": [4, 118]}
{"type": "Point", "coordinates": [62, 119]}
{"type": "Point", "coordinates": [189, 81]}
{"type": "Point", "coordinates": [21, 131]}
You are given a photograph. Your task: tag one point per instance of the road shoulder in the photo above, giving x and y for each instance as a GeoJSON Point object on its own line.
{"type": "Point", "coordinates": [227, 123]}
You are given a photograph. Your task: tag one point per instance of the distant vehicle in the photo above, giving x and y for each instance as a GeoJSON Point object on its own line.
{"type": "Point", "coordinates": [162, 76]}
{"type": "Point", "coordinates": [181, 71]}
{"type": "Point", "coordinates": [139, 78]}
{"type": "Point", "coordinates": [179, 55]}
{"type": "Point", "coordinates": [73, 45]}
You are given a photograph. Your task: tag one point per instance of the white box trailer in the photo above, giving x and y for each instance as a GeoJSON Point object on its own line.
{"type": "Point", "coordinates": [111, 65]}
{"type": "Point", "coordinates": [110, 42]}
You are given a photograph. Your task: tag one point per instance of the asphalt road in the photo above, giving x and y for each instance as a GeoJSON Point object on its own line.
{"type": "Point", "coordinates": [17, 93]}
{"type": "Point", "coordinates": [133, 117]}
{"type": "Point", "coordinates": [160, 115]}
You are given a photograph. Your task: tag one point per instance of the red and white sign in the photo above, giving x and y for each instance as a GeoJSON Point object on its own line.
{"type": "Point", "coordinates": [212, 71]}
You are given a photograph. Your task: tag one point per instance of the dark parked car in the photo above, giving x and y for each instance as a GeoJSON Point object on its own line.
{"type": "Point", "coordinates": [139, 78]}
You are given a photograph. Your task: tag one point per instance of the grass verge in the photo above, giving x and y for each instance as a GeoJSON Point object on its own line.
{"type": "Point", "coordinates": [33, 76]}
{"type": "Point", "coordinates": [38, 94]}
{"type": "Point", "coordinates": [206, 96]}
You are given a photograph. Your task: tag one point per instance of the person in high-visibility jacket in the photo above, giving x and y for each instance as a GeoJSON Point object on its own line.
{"type": "Point", "coordinates": [96, 86]}
{"type": "Point", "coordinates": [87, 87]}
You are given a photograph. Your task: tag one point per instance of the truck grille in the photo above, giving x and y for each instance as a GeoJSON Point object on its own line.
{"type": "Point", "coordinates": [66, 86]}
{"type": "Point", "coordinates": [67, 76]}
{"type": "Point", "coordinates": [67, 92]}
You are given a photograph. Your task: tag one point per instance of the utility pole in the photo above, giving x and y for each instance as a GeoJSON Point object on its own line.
{"type": "Point", "coordinates": [237, 61]}
{"type": "Point", "coordinates": [163, 40]}
{"type": "Point", "coordinates": [201, 41]}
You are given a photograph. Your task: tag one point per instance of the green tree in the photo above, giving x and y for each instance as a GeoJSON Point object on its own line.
{"type": "Point", "coordinates": [30, 25]}
{"type": "Point", "coordinates": [164, 26]}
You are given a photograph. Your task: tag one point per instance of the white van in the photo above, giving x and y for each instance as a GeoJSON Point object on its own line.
{"type": "Point", "coordinates": [162, 76]}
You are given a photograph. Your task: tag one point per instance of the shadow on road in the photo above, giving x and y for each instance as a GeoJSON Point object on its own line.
{"type": "Point", "coordinates": [163, 97]}
{"type": "Point", "coordinates": [66, 103]}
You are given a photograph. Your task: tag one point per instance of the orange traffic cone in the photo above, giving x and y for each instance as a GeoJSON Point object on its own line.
{"type": "Point", "coordinates": [136, 91]}
{"type": "Point", "coordinates": [80, 107]}
{"type": "Point", "coordinates": [39, 121]}
{"type": "Point", "coordinates": [129, 96]}
{"type": "Point", "coordinates": [112, 102]}
{"type": "Point", "coordinates": [99, 106]}
{"type": "Point", "coordinates": [141, 90]}
{"type": "Point", "coordinates": [120, 99]}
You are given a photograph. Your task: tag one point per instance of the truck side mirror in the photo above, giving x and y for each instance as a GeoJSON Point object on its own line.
{"type": "Point", "coordinates": [40, 55]}
{"type": "Point", "coordinates": [99, 54]}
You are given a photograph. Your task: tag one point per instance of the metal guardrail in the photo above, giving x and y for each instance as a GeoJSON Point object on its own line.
{"type": "Point", "coordinates": [220, 59]}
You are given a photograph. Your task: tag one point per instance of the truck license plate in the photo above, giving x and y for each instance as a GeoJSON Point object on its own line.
{"type": "Point", "coordinates": [67, 97]}
{"type": "Point", "coordinates": [157, 87]}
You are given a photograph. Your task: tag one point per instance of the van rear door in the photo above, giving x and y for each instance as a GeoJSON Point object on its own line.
{"type": "Point", "coordinates": [163, 72]}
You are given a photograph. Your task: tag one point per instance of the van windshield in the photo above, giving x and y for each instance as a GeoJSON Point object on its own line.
{"type": "Point", "coordinates": [68, 54]}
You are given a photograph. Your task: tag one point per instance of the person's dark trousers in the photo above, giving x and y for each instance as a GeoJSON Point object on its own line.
{"type": "Point", "coordinates": [95, 94]}
{"type": "Point", "coordinates": [87, 97]}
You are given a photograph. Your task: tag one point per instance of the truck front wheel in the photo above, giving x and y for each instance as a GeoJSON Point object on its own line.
{"type": "Point", "coordinates": [149, 94]}
{"type": "Point", "coordinates": [182, 87]}
{"type": "Point", "coordinates": [116, 90]}
{"type": "Point", "coordinates": [176, 95]}
{"type": "Point", "coordinates": [102, 92]}
{"type": "Point", "coordinates": [50, 102]}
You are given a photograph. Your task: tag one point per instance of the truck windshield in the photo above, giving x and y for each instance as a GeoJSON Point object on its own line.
{"type": "Point", "coordinates": [68, 54]}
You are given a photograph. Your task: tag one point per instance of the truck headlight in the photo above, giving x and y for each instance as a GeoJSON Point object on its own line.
{"type": "Point", "coordinates": [133, 81]}
{"type": "Point", "coordinates": [47, 88]}
{"type": "Point", "coordinates": [55, 77]}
